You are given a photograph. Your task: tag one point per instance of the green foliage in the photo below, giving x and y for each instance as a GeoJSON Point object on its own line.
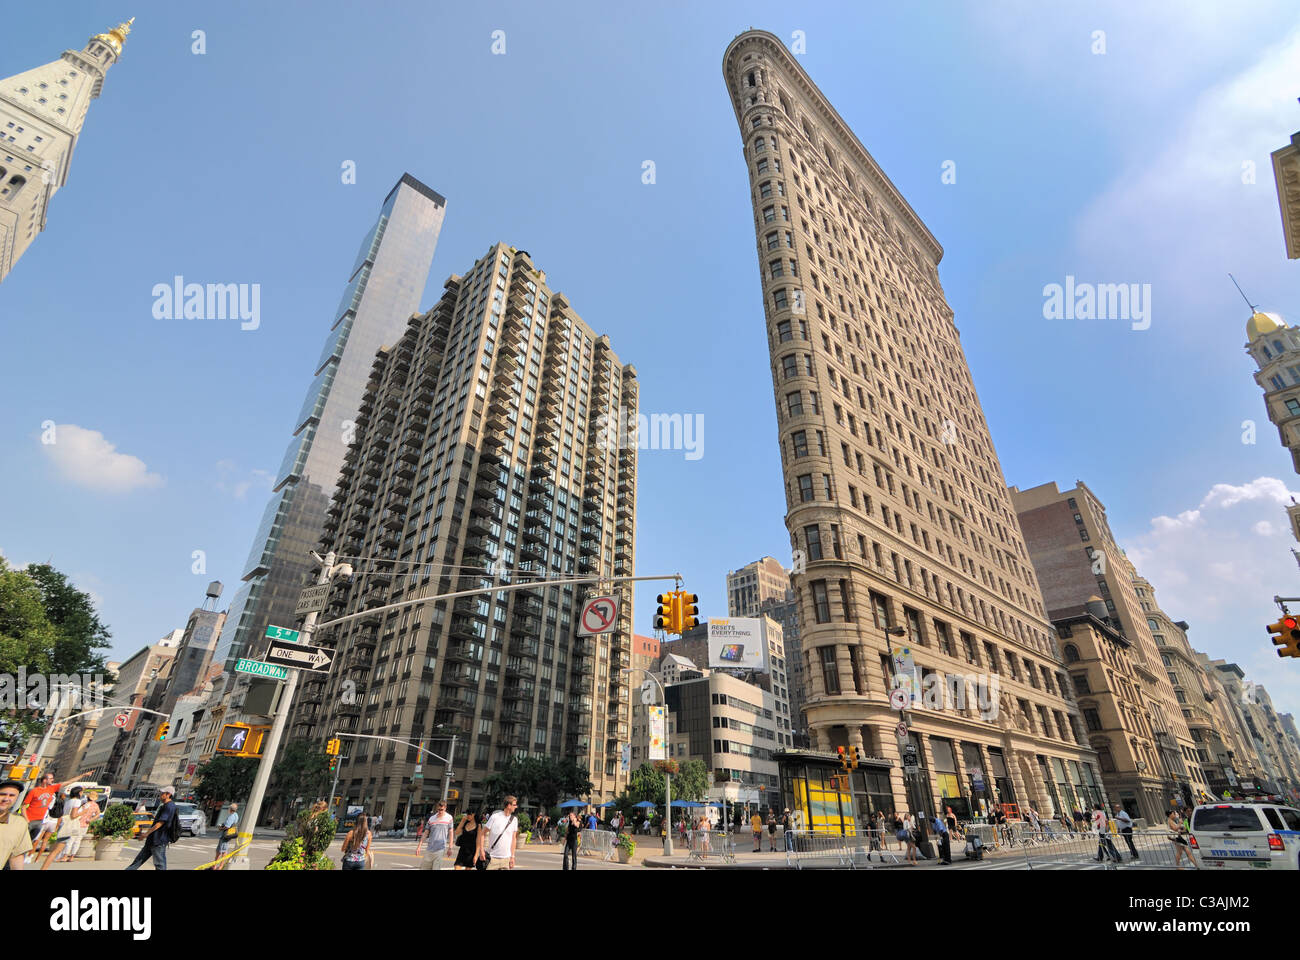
{"type": "Point", "coordinates": [303, 770]}
{"type": "Point", "coordinates": [525, 822]}
{"type": "Point", "coordinates": [692, 781]}
{"type": "Point", "coordinates": [542, 780]}
{"type": "Point", "coordinates": [305, 845]}
{"type": "Point", "coordinates": [116, 823]}
{"type": "Point", "coordinates": [647, 783]}
{"type": "Point", "coordinates": [223, 779]}
{"type": "Point", "coordinates": [625, 842]}
{"type": "Point", "coordinates": [47, 626]}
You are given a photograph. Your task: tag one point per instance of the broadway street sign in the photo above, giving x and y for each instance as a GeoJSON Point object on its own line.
{"type": "Point", "coordinates": [260, 669]}
{"type": "Point", "coordinates": [297, 655]}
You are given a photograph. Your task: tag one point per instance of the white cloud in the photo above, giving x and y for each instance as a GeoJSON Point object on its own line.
{"type": "Point", "coordinates": [85, 458]}
{"type": "Point", "coordinates": [230, 479]}
{"type": "Point", "coordinates": [1210, 568]}
{"type": "Point", "coordinates": [1164, 219]}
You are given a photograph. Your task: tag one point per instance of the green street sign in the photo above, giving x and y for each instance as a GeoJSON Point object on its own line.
{"type": "Point", "coordinates": [260, 669]}
{"type": "Point", "coordinates": [282, 633]}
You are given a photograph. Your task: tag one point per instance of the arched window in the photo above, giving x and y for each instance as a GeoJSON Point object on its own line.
{"type": "Point", "coordinates": [13, 187]}
{"type": "Point", "coordinates": [1071, 653]}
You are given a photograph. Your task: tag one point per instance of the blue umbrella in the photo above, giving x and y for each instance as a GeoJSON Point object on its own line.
{"type": "Point", "coordinates": [572, 803]}
{"type": "Point", "coordinates": [645, 803]}
{"type": "Point", "coordinates": [602, 806]}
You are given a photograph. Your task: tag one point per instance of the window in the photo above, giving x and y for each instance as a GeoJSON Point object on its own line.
{"type": "Point", "coordinates": [805, 488]}
{"type": "Point", "coordinates": [812, 536]}
{"type": "Point", "coordinates": [800, 440]}
{"type": "Point", "coordinates": [821, 602]}
{"type": "Point", "coordinates": [794, 403]}
{"type": "Point", "coordinates": [1092, 718]}
{"type": "Point", "coordinates": [783, 331]}
{"type": "Point", "coordinates": [830, 674]}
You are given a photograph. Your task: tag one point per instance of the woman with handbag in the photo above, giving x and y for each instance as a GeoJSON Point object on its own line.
{"type": "Point", "coordinates": [356, 846]}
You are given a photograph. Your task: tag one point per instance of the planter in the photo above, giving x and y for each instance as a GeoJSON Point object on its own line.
{"type": "Point", "coordinates": [109, 848]}
{"type": "Point", "coordinates": [623, 855]}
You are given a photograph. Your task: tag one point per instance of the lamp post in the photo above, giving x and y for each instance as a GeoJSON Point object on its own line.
{"type": "Point", "coordinates": [668, 778]}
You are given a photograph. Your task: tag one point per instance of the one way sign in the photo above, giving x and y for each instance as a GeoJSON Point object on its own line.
{"type": "Point", "coordinates": [296, 655]}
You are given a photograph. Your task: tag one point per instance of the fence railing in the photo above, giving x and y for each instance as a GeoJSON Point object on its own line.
{"type": "Point", "coordinates": [864, 851]}
{"type": "Point", "coordinates": [1146, 848]}
{"type": "Point", "coordinates": [596, 843]}
{"type": "Point", "coordinates": [705, 844]}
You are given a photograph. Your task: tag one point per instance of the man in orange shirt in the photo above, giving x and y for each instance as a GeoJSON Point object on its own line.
{"type": "Point", "coordinates": [40, 798]}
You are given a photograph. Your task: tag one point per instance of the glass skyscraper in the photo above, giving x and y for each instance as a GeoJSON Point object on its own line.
{"type": "Point", "coordinates": [384, 288]}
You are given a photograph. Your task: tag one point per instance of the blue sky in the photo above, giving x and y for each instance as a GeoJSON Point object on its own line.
{"type": "Point", "coordinates": [1123, 166]}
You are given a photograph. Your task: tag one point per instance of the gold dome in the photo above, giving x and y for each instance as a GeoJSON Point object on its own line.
{"type": "Point", "coordinates": [1261, 323]}
{"type": "Point", "coordinates": [116, 37]}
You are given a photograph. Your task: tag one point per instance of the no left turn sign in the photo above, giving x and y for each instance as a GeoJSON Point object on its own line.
{"type": "Point", "coordinates": [598, 616]}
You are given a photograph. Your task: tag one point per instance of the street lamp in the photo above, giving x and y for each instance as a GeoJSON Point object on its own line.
{"type": "Point", "coordinates": [668, 778]}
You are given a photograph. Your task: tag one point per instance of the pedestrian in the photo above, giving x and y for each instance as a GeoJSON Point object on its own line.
{"type": "Point", "coordinates": [86, 814]}
{"type": "Point", "coordinates": [469, 844]}
{"type": "Point", "coordinates": [904, 837]}
{"type": "Point", "coordinates": [592, 822]}
{"type": "Point", "coordinates": [945, 841]}
{"type": "Point", "coordinates": [540, 827]}
{"type": "Point", "coordinates": [164, 829]}
{"type": "Point", "coordinates": [1032, 814]}
{"type": "Point", "coordinates": [40, 798]}
{"type": "Point", "coordinates": [1078, 820]}
{"type": "Point", "coordinates": [787, 830]}
{"type": "Point", "coordinates": [502, 836]}
{"type": "Point", "coordinates": [226, 838]}
{"type": "Point", "coordinates": [570, 855]}
{"type": "Point", "coordinates": [1105, 847]}
{"type": "Point", "coordinates": [879, 825]}
{"type": "Point", "coordinates": [1066, 824]}
{"type": "Point", "coordinates": [705, 826]}
{"type": "Point", "coordinates": [1178, 834]}
{"type": "Point", "coordinates": [1125, 822]}
{"type": "Point", "coordinates": [756, 824]}
{"type": "Point", "coordinates": [66, 811]}
{"type": "Point", "coordinates": [15, 838]}
{"type": "Point", "coordinates": [379, 819]}
{"type": "Point", "coordinates": [952, 820]}
{"type": "Point", "coordinates": [357, 854]}
{"type": "Point", "coordinates": [438, 830]}
{"type": "Point", "coordinates": [771, 831]}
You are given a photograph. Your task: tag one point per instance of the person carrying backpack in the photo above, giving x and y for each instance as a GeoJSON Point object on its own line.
{"type": "Point", "coordinates": [166, 829]}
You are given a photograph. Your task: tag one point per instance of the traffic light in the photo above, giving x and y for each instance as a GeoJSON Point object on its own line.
{"type": "Point", "coordinates": [334, 764]}
{"type": "Point", "coordinates": [668, 617]}
{"type": "Point", "coordinates": [853, 758]}
{"type": "Point", "coordinates": [1286, 634]}
{"type": "Point", "coordinates": [844, 757]}
{"type": "Point", "coordinates": [688, 612]}
{"type": "Point", "coordinates": [332, 747]}
{"type": "Point", "coordinates": [162, 730]}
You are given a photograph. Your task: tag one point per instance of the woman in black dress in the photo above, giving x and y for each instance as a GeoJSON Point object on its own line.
{"type": "Point", "coordinates": [469, 843]}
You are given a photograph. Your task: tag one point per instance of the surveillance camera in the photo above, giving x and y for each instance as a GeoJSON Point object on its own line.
{"type": "Point", "coordinates": [343, 572]}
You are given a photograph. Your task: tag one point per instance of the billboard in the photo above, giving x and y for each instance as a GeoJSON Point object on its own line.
{"type": "Point", "coordinates": [737, 643]}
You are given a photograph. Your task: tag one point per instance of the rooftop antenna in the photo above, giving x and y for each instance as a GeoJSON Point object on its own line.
{"type": "Point", "coordinates": [1253, 307]}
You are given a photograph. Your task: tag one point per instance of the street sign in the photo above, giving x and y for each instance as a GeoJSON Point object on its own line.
{"type": "Point", "coordinates": [282, 633]}
{"type": "Point", "coordinates": [312, 599]}
{"type": "Point", "coordinates": [296, 655]}
{"type": "Point", "coordinates": [121, 719]}
{"type": "Point", "coordinates": [598, 616]}
{"type": "Point", "coordinates": [901, 731]}
{"type": "Point", "coordinates": [898, 698]}
{"type": "Point", "coordinates": [260, 669]}
{"type": "Point", "coordinates": [911, 769]}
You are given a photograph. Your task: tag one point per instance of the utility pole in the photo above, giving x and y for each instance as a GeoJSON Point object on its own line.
{"type": "Point", "coordinates": [446, 770]}
{"type": "Point", "coordinates": [254, 808]}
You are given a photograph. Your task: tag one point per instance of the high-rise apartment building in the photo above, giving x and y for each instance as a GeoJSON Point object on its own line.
{"type": "Point", "coordinates": [481, 456]}
{"type": "Point", "coordinates": [894, 493]}
{"type": "Point", "coordinates": [110, 750]}
{"type": "Point", "coordinates": [41, 114]}
{"type": "Point", "coordinates": [1275, 348]}
{"type": "Point", "coordinates": [384, 289]}
{"type": "Point", "coordinates": [753, 583]}
{"type": "Point", "coordinates": [1075, 554]}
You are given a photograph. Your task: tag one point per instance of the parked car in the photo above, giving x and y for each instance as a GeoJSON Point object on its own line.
{"type": "Point", "coordinates": [193, 821]}
{"type": "Point", "coordinates": [1245, 835]}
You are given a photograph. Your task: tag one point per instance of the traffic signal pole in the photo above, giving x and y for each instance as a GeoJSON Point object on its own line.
{"type": "Point", "coordinates": [272, 744]}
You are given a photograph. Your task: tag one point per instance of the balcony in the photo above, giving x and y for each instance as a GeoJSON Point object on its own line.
{"type": "Point", "coordinates": [456, 675]}
{"type": "Point", "coordinates": [526, 624]}
{"type": "Point", "coordinates": [514, 693]}
{"type": "Point", "coordinates": [459, 651]}
{"type": "Point", "coordinates": [478, 546]}
{"type": "Point", "coordinates": [488, 490]}
{"type": "Point", "coordinates": [348, 710]}
{"type": "Point", "coordinates": [485, 503]}
{"type": "Point", "coordinates": [532, 551]}
{"type": "Point", "coordinates": [464, 626]}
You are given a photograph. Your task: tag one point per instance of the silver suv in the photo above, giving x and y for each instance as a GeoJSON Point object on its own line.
{"type": "Point", "coordinates": [193, 822]}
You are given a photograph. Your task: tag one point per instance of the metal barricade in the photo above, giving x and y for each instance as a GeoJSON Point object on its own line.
{"type": "Point", "coordinates": [706, 844]}
{"type": "Point", "coordinates": [869, 849]}
{"type": "Point", "coordinates": [831, 851]}
{"type": "Point", "coordinates": [596, 843]}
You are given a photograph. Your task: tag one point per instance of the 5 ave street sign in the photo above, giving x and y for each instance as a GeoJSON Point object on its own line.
{"type": "Point", "coordinates": [260, 669]}
{"type": "Point", "coordinates": [297, 655]}
{"type": "Point", "coordinates": [312, 599]}
{"type": "Point", "coordinates": [282, 633]}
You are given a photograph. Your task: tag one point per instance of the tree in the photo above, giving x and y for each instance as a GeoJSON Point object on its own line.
{"type": "Point", "coordinates": [544, 780]}
{"type": "Point", "coordinates": [48, 627]}
{"type": "Point", "coordinates": [303, 770]}
{"type": "Point", "coordinates": [223, 779]}
{"type": "Point", "coordinates": [692, 781]}
{"type": "Point", "coordinates": [647, 783]}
